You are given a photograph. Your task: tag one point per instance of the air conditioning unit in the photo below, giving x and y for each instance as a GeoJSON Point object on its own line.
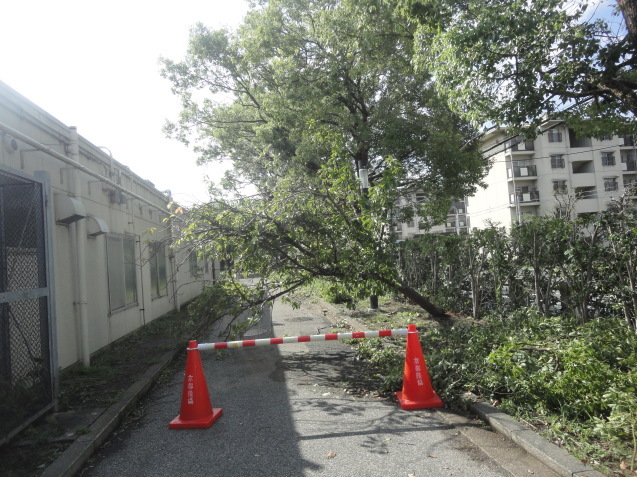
{"type": "Point", "coordinates": [521, 146]}
{"type": "Point", "coordinates": [621, 141]}
{"type": "Point", "coordinates": [461, 211]}
{"type": "Point", "coordinates": [524, 171]}
{"type": "Point", "coordinates": [526, 197]}
{"type": "Point", "coordinates": [624, 166]}
{"type": "Point", "coordinates": [462, 224]}
{"type": "Point", "coordinates": [117, 196]}
{"type": "Point", "coordinates": [449, 224]}
{"type": "Point", "coordinates": [10, 144]}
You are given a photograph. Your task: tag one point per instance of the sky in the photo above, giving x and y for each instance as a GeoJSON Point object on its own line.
{"type": "Point", "coordinates": [95, 65]}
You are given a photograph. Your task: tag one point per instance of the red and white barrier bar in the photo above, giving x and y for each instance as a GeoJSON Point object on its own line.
{"type": "Point", "coordinates": [302, 339]}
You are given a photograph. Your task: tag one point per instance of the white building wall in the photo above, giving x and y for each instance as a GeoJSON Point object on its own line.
{"type": "Point", "coordinates": [487, 204]}
{"type": "Point", "coordinates": [141, 209]}
{"type": "Point", "coordinates": [583, 174]}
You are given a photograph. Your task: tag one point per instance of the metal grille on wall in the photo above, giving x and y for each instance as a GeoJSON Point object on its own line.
{"type": "Point", "coordinates": [26, 375]}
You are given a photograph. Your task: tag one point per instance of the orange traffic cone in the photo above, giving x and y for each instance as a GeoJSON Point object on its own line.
{"type": "Point", "coordinates": [196, 407]}
{"type": "Point", "coordinates": [417, 392]}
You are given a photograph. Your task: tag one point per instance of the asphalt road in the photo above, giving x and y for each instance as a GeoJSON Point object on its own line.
{"type": "Point", "coordinates": [286, 413]}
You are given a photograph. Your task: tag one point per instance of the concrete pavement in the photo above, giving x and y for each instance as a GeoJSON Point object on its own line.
{"type": "Point", "coordinates": [286, 413]}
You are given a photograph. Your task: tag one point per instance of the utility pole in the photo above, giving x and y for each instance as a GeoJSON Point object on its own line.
{"type": "Point", "coordinates": [364, 178]}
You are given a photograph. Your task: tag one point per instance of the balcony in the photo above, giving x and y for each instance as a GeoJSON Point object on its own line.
{"type": "Point", "coordinates": [629, 166]}
{"type": "Point", "coordinates": [583, 179]}
{"type": "Point", "coordinates": [457, 224]}
{"type": "Point", "coordinates": [583, 167]}
{"type": "Point", "coordinates": [586, 193]}
{"type": "Point", "coordinates": [586, 206]}
{"type": "Point", "coordinates": [578, 141]}
{"type": "Point", "coordinates": [525, 198]}
{"type": "Point", "coordinates": [630, 184]}
{"type": "Point", "coordinates": [522, 146]}
{"type": "Point", "coordinates": [627, 140]}
{"type": "Point", "coordinates": [521, 172]}
{"type": "Point", "coordinates": [462, 221]}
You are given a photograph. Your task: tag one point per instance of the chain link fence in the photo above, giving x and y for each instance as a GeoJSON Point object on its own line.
{"type": "Point", "coordinates": [26, 378]}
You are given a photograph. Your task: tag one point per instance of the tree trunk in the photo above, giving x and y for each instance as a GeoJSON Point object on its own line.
{"type": "Point", "coordinates": [629, 12]}
{"type": "Point", "coordinates": [476, 297]}
{"type": "Point", "coordinates": [422, 301]}
{"type": "Point", "coordinates": [413, 295]}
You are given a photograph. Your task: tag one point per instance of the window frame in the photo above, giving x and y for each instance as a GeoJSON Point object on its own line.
{"type": "Point", "coordinates": [554, 135]}
{"type": "Point", "coordinates": [121, 270]}
{"type": "Point", "coordinates": [557, 161]}
{"type": "Point", "coordinates": [560, 187]}
{"type": "Point", "coordinates": [611, 184]}
{"type": "Point", "coordinates": [193, 264]}
{"type": "Point", "coordinates": [158, 269]}
{"type": "Point", "coordinates": [608, 158]}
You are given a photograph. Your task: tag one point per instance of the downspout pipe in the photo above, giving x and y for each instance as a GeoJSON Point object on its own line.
{"type": "Point", "coordinates": [175, 288]}
{"type": "Point", "coordinates": [81, 300]}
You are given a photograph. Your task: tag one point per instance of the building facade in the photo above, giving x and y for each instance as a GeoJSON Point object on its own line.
{"type": "Point", "coordinates": [457, 222]}
{"type": "Point", "coordinates": [86, 253]}
{"type": "Point", "coordinates": [557, 173]}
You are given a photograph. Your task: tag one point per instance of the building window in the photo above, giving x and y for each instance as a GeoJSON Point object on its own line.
{"type": "Point", "coordinates": [122, 271]}
{"type": "Point", "coordinates": [193, 263]}
{"type": "Point", "coordinates": [561, 212]}
{"type": "Point", "coordinates": [628, 140]}
{"type": "Point", "coordinates": [158, 280]}
{"type": "Point", "coordinates": [411, 224]}
{"type": "Point", "coordinates": [610, 184]}
{"type": "Point", "coordinates": [608, 159]}
{"type": "Point", "coordinates": [606, 137]}
{"type": "Point", "coordinates": [557, 161]}
{"type": "Point", "coordinates": [559, 187]}
{"type": "Point", "coordinates": [554, 135]}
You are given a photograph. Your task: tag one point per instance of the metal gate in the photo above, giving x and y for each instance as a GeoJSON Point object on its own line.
{"type": "Point", "coordinates": [26, 370]}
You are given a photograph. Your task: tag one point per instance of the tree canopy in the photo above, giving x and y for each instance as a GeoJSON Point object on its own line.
{"type": "Point", "coordinates": [515, 63]}
{"type": "Point", "coordinates": [304, 98]}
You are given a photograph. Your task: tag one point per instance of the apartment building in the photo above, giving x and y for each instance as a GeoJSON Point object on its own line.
{"type": "Point", "coordinates": [457, 221]}
{"type": "Point", "coordinates": [555, 173]}
{"type": "Point", "coordinates": [86, 255]}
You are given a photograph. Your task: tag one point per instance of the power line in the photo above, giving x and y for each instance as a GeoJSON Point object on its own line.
{"type": "Point", "coordinates": [562, 154]}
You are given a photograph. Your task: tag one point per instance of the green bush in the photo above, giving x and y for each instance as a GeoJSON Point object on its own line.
{"type": "Point", "coordinates": [577, 381]}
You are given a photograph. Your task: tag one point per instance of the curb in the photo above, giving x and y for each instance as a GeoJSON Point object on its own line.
{"type": "Point", "coordinates": [78, 453]}
{"type": "Point", "coordinates": [554, 457]}
{"type": "Point", "coordinates": [546, 452]}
